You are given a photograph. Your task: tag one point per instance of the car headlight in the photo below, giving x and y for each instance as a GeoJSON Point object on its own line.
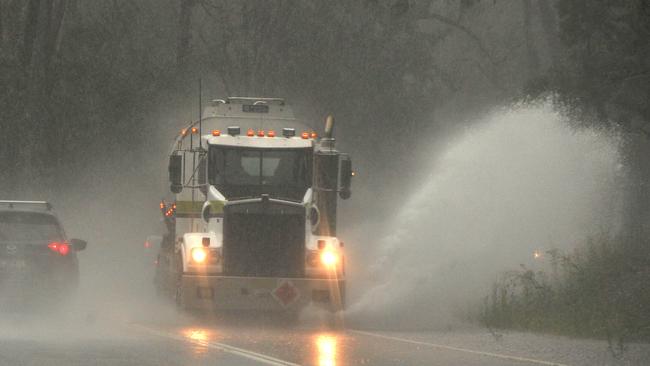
{"type": "Point", "coordinates": [199, 255]}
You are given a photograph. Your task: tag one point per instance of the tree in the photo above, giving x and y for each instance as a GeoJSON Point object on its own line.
{"type": "Point", "coordinates": [605, 78]}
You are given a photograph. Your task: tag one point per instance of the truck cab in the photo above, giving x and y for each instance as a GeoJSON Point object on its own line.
{"type": "Point", "coordinates": [251, 224]}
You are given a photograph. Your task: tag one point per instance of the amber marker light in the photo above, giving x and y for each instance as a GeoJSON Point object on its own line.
{"type": "Point", "coordinates": [271, 133]}
{"type": "Point", "coordinates": [305, 135]}
{"type": "Point", "coordinates": [195, 130]}
{"type": "Point", "coordinates": [250, 133]}
{"type": "Point", "coordinates": [216, 133]}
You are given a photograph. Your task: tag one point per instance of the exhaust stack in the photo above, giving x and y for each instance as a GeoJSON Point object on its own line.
{"type": "Point", "coordinates": [329, 127]}
{"type": "Point", "coordinates": [328, 138]}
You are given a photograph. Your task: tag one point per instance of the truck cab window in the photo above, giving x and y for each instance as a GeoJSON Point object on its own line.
{"type": "Point", "coordinates": [245, 172]}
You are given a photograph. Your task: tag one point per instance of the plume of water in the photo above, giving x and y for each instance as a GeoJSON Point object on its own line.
{"type": "Point", "coordinates": [520, 181]}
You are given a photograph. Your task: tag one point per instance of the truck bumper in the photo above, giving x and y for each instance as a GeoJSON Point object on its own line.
{"type": "Point", "coordinates": [261, 293]}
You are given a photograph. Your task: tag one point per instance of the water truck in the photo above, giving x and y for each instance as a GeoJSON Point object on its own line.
{"type": "Point", "coordinates": [250, 216]}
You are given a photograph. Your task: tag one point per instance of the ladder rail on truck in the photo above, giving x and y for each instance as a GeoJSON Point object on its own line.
{"type": "Point", "coordinates": [251, 213]}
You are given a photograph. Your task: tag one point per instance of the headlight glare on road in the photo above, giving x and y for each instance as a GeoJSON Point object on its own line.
{"type": "Point", "coordinates": [199, 255]}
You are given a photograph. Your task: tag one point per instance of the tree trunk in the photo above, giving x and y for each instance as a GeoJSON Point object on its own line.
{"type": "Point", "coordinates": [637, 200]}
{"type": "Point", "coordinates": [549, 25]}
{"type": "Point", "coordinates": [30, 32]}
{"type": "Point", "coordinates": [184, 33]}
{"type": "Point", "coordinates": [51, 39]}
{"type": "Point", "coordinates": [532, 58]}
{"type": "Point", "coordinates": [2, 29]}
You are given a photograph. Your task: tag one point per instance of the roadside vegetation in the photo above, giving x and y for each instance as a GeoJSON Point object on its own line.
{"type": "Point", "coordinates": [602, 288]}
{"type": "Point", "coordinates": [599, 290]}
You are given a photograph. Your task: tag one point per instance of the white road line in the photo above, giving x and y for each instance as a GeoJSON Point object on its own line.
{"type": "Point", "coordinates": [268, 360]}
{"type": "Point", "coordinates": [451, 348]}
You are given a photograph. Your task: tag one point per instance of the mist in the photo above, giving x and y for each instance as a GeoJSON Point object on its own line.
{"type": "Point", "coordinates": [521, 179]}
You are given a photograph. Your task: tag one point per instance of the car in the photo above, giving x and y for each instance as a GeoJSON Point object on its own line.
{"type": "Point", "coordinates": [38, 263]}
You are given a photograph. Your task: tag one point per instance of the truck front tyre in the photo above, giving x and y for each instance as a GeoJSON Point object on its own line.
{"type": "Point", "coordinates": [178, 293]}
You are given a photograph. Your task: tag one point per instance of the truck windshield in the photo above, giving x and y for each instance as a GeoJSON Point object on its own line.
{"type": "Point", "coordinates": [28, 227]}
{"type": "Point", "coordinates": [245, 172]}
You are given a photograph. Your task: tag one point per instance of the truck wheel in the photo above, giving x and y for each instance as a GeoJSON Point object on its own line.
{"type": "Point", "coordinates": [178, 294]}
{"type": "Point", "coordinates": [335, 320]}
{"type": "Point", "coordinates": [292, 318]}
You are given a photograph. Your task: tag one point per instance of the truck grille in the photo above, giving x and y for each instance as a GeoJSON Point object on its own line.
{"type": "Point", "coordinates": [264, 238]}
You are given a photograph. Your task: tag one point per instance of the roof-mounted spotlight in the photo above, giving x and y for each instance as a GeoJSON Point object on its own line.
{"type": "Point", "coordinates": [288, 132]}
{"type": "Point", "coordinates": [234, 130]}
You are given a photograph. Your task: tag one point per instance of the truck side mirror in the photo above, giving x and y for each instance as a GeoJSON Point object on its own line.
{"type": "Point", "coordinates": [203, 175]}
{"type": "Point", "coordinates": [205, 213]}
{"type": "Point", "coordinates": [345, 177]}
{"type": "Point", "coordinates": [167, 242]}
{"type": "Point", "coordinates": [78, 244]}
{"type": "Point", "coordinates": [176, 173]}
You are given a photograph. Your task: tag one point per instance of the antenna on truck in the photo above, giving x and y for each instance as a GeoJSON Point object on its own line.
{"type": "Point", "coordinates": [200, 112]}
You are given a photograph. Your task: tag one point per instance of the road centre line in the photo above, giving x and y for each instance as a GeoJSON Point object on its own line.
{"type": "Point", "coordinates": [251, 355]}
{"type": "Point", "coordinates": [451, 348]}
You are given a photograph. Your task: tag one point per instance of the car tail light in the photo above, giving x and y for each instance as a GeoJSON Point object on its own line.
{"type": "Point", "coordinates": [61, 248]}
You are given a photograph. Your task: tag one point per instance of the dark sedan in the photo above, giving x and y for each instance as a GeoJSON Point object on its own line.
{"type": "Point", "coordinates": [38, 263]}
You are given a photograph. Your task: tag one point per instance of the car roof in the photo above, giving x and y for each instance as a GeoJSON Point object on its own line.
{"type": "Point", "coordinates": [27, 206]}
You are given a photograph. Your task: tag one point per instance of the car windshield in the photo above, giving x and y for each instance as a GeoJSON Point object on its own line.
{"type": "Point", "coordinates": [245, 172]}
{"type": "Point", "coordinates": [29, 227]}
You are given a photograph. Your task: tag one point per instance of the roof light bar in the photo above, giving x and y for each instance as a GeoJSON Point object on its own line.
{"type": "Point", "coordinates": [288, 132]}
{"type": "Point", "coordinates": [234, 130]}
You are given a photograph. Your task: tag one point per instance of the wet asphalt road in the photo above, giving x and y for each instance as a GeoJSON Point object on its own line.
{"type": "Point", "coordinates": [201, 341]}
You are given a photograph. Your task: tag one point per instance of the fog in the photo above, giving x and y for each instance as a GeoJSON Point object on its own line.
{"type": "Point", "coordinates": [519, 180]}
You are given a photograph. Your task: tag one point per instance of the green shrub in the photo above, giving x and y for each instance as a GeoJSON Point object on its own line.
{"type": "Point", "coordinates": [601, 290]}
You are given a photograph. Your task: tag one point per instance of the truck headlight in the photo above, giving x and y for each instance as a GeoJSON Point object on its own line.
{"type": "Point", "coordinates": [199, 255]}
{"type": "Point", "coordinates": [329, 258]}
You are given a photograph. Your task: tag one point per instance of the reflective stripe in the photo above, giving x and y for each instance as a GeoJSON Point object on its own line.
{"type": "Point", "coordinates": [188, 207]}
{"type": "Point", "coordinates": [216, 207]}
{"type": "Point", "coordinates": [195, 207]}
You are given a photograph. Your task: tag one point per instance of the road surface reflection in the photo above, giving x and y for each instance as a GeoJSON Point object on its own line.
{"type": "Point", "coordinates": [200, 338]}
{"type": "Point", "coordinates": [326, 350]}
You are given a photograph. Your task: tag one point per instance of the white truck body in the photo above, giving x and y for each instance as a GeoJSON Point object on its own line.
{"type": "Point", "coordinates": [266, 242]}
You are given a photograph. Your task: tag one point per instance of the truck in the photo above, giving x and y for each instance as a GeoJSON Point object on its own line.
{"type": "Point", "coordinates": [251, 213]}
